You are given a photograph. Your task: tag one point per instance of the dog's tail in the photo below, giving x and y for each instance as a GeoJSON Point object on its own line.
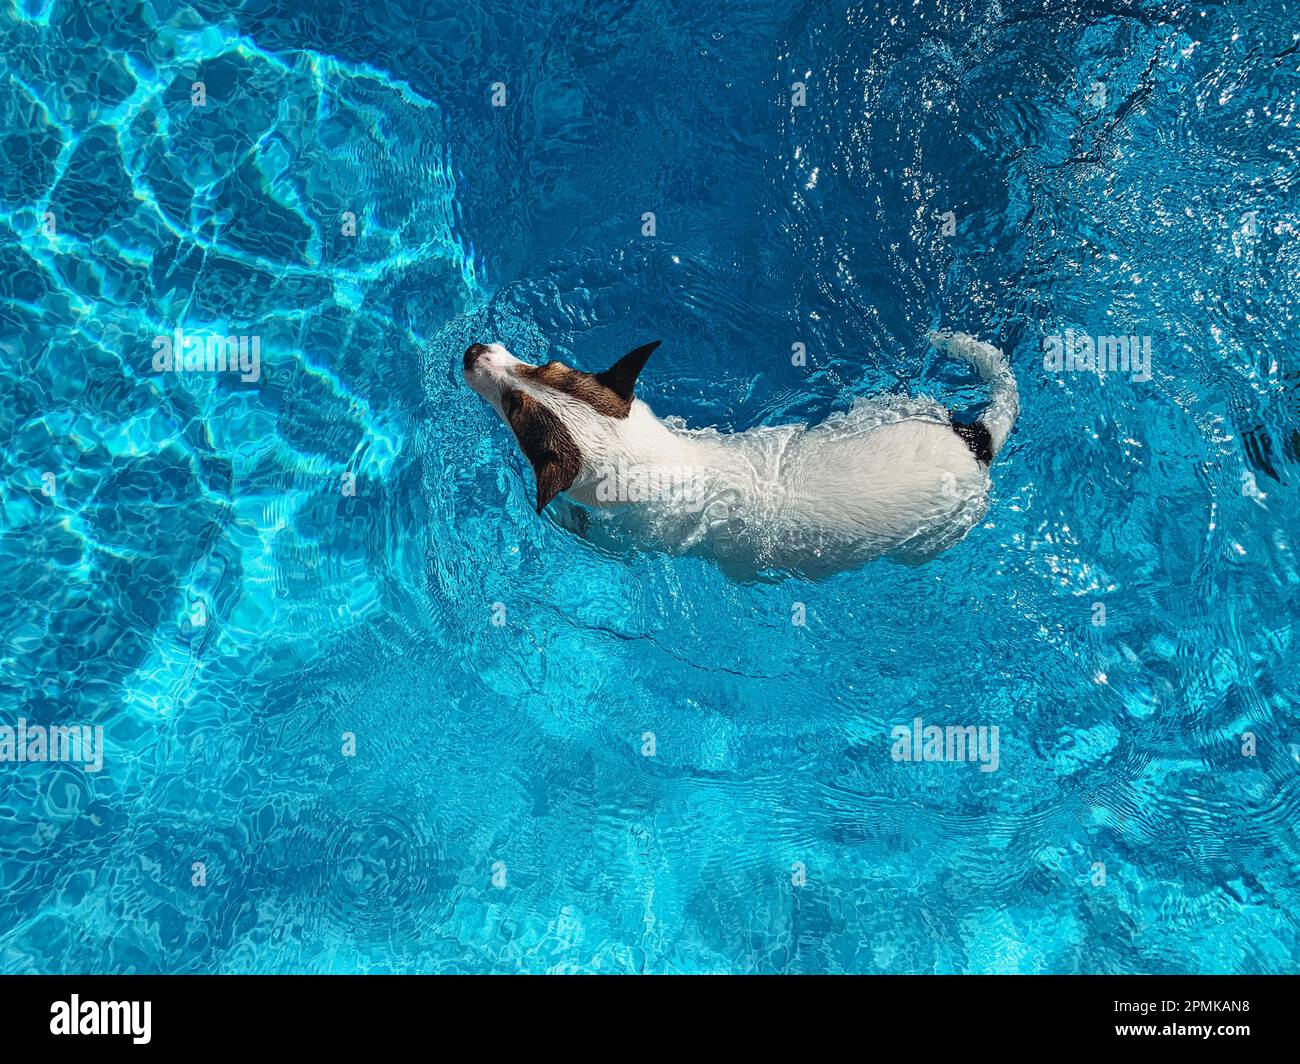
{"type": "Point", "coordinates": [992, 366]}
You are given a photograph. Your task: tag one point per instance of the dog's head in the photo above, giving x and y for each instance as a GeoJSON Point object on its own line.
{"type": "Point", "coordinates": [566, 421]}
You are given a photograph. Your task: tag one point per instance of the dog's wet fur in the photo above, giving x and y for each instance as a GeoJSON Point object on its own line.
{"type": "Point", "coordinates": [800, 500]}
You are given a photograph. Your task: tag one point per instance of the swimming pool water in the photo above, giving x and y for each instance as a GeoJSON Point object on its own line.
{"type": "Point", "coordinates": [363, 711]}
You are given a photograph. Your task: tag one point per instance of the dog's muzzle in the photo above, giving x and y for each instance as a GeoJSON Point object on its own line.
{"type": "Point", "coordinates": [472, 354]}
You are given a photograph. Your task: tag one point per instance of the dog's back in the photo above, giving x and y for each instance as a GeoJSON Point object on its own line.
{"type": "Point", "coordinates": [890, 479]}
{"type": "Point", "coordinates": [894, 477]}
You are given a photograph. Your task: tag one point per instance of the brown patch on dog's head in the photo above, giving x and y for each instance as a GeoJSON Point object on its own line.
{"type": "Point", "coordinates": [582, 386]}
{"type": "Point", "coordinates": [546, 443]}
{"type": "Point", "coordinates": [608, 393]}
{"type": "Point", "coordinates": [553, 408]}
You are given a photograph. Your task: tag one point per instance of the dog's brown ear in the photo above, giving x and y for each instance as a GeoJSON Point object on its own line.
{"type": "Point", "coordinates": [621, 377]}
{"type": "Point", "coordinates": [545, 442]}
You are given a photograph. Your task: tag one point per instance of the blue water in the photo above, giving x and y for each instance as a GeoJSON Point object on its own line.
{"type": "Point", "coordinates": [496, 674]}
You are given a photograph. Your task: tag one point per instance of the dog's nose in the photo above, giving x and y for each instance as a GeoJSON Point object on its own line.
{"type": "Point", "coordinates": [473, 353]}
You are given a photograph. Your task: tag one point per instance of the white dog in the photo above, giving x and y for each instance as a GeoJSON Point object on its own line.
{"type": "Point", "coordinates": [894, 477]}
